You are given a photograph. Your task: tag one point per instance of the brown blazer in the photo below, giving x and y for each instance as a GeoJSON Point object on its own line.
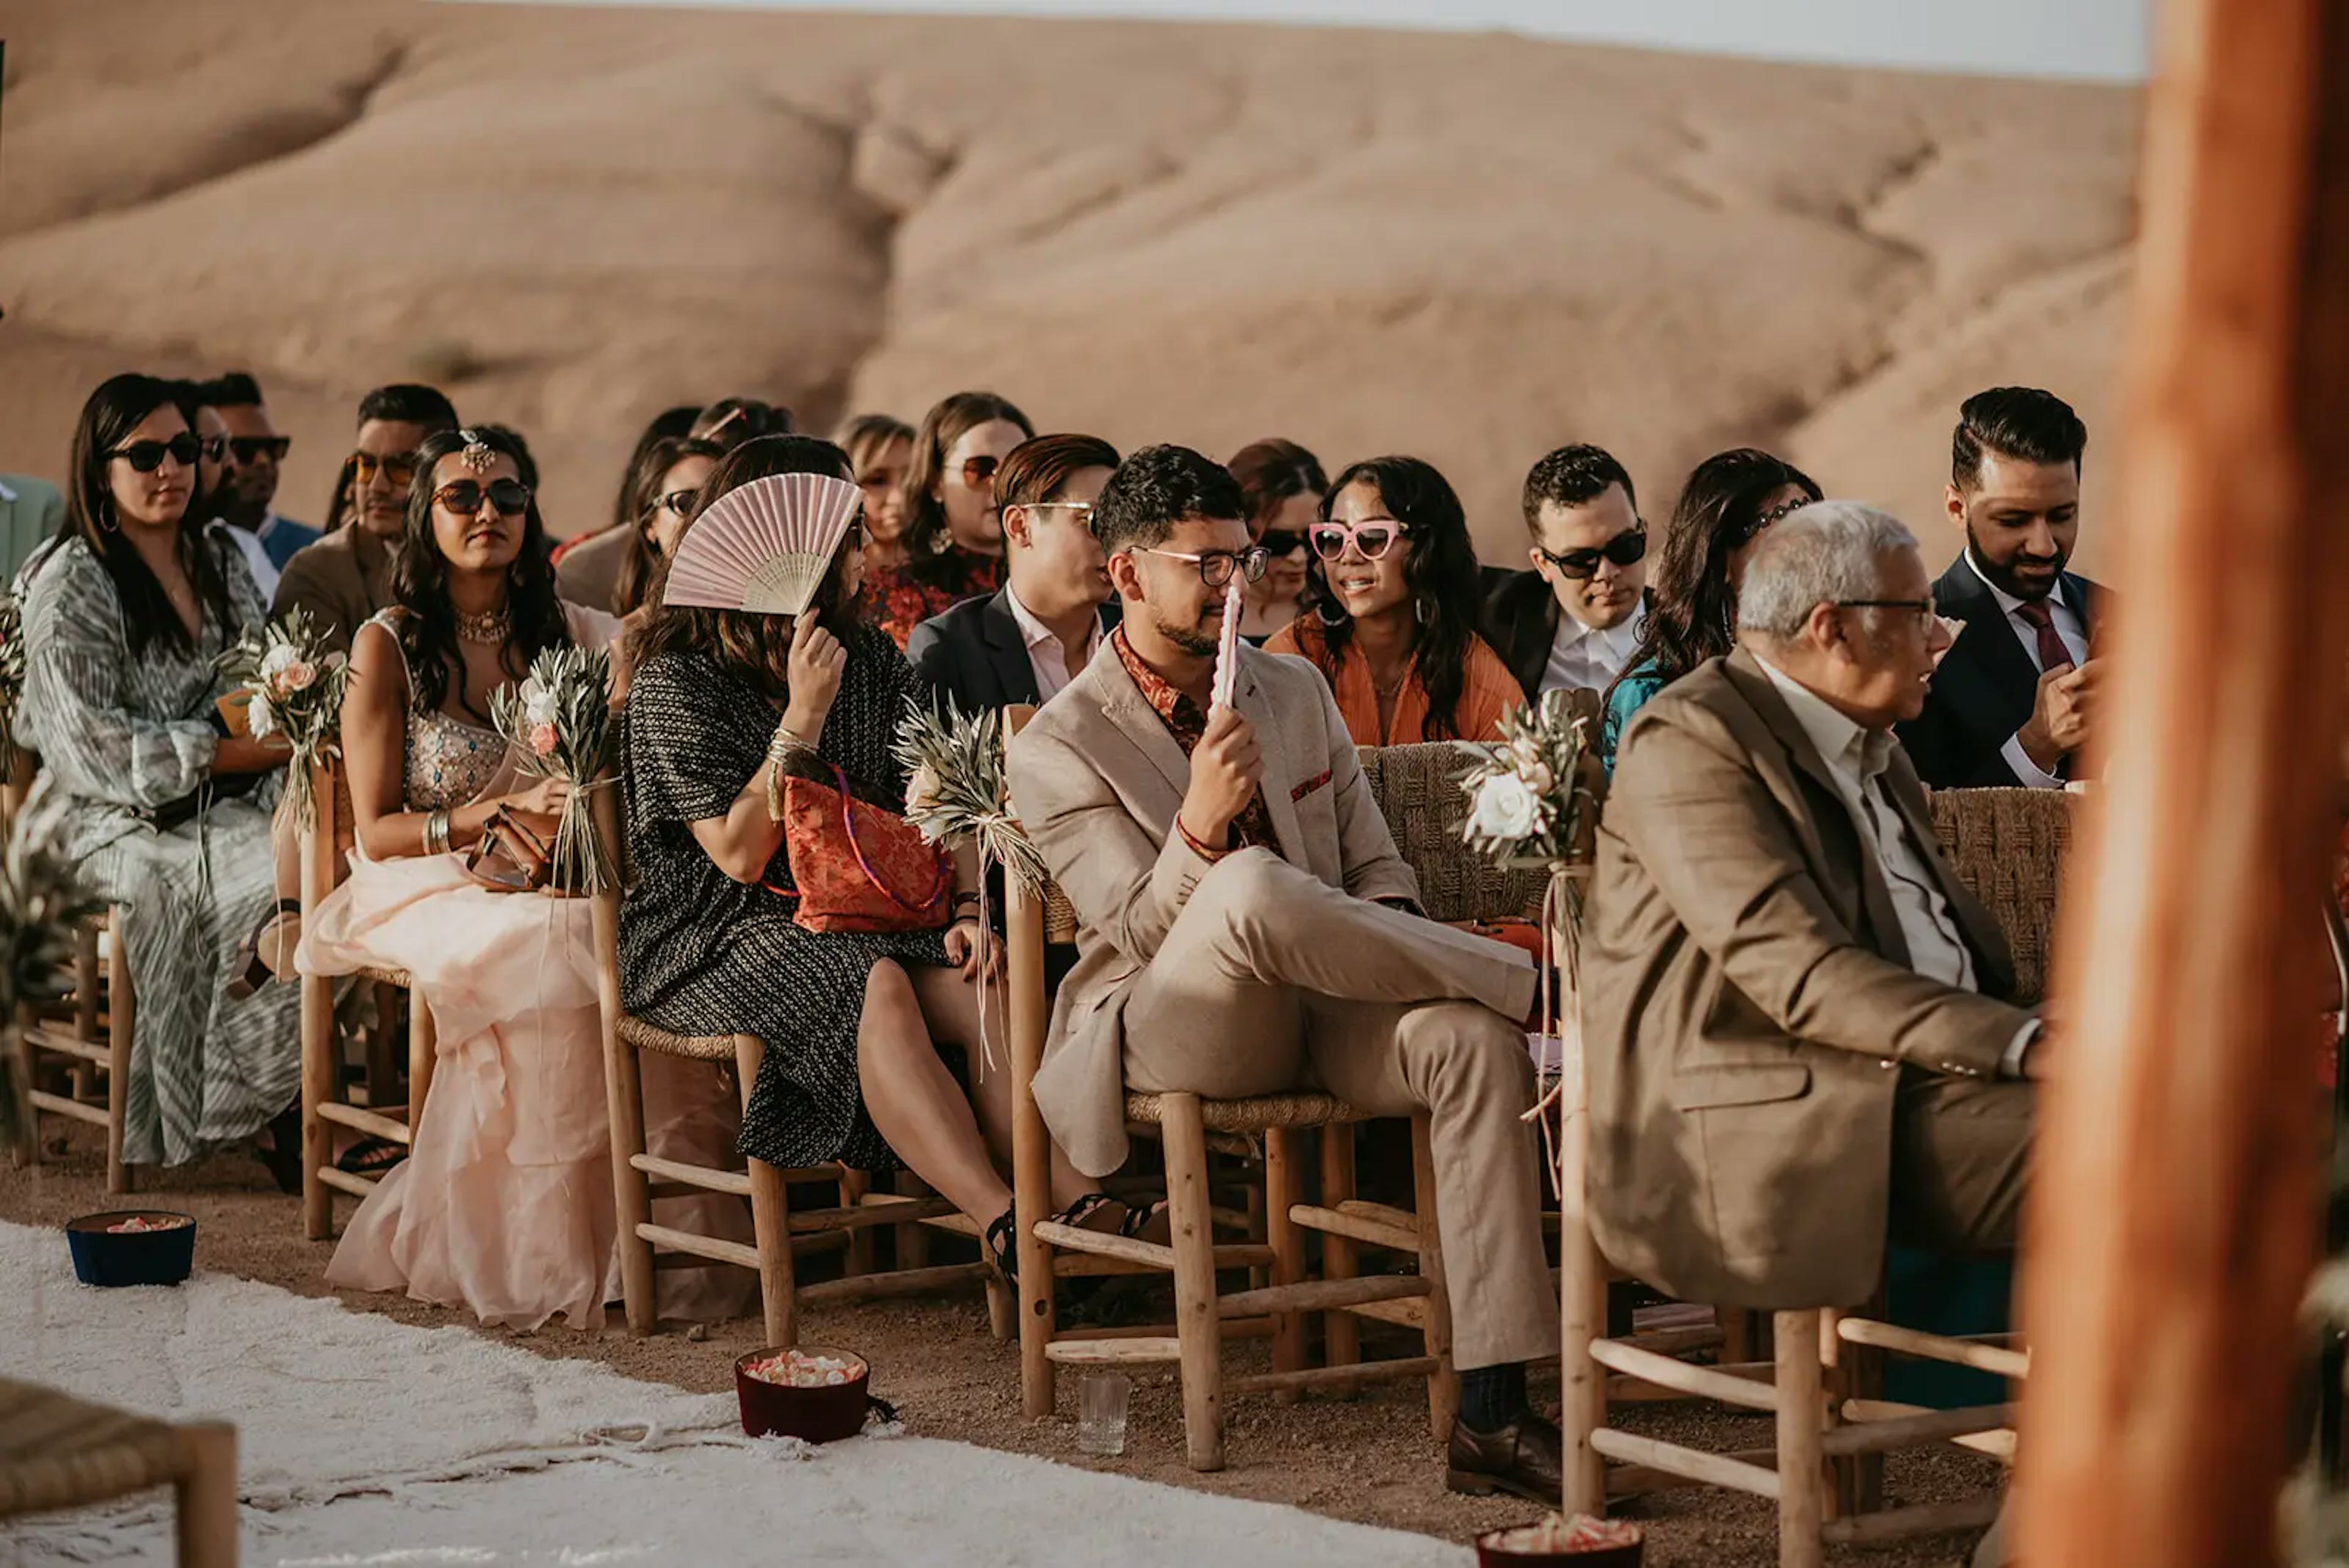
{"type": "Point", "coordinates": [1097, 778]}
{"type": "Point", "coordinates": [1748, 1007]}
{"type": "Point", "coordinates": [340, 580]}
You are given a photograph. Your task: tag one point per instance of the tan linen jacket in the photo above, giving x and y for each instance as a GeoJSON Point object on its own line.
{"type": "Point", "coordinates": [1097, 778]}
{"type": "Point", "coordinates": [341, 580]}
{"type": "Point", "coordinates": [1748, 1006]}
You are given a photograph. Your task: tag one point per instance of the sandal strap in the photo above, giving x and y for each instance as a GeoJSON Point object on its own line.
{"type": "Point", "coordinates": [1075, 1214]}
{"type": "Point", "coordinates": [1138, 1219]}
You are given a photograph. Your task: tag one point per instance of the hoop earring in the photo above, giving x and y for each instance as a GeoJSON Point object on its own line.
{"type": "Point", "coordinates": [107, 520]}
{"type": "Point", "coordinates": [1425, 607]}
{"type": "Point", "coordinates": [1330, 615]}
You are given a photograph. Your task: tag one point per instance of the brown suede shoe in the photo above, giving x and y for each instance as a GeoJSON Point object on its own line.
{"type": "Point", "coordinates": [1528, 1457]}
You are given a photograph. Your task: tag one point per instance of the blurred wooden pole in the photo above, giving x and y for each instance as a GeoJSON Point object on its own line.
{"type": "Point", "coordinates": [2174, 1205]}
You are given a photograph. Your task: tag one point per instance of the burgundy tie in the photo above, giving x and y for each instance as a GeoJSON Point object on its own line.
{"type": "Point", "coordinates": [2053, 654]}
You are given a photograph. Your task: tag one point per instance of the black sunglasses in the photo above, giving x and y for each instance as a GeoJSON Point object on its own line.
{"type": "Point", "coordinates": [216, 447]}
{"type": "Point", "coordinates": [250, 448]}
{"type": "Point", "coordinates": [464, 496]}
{"type": "Point", "coordinates": [677, 502]}
{"type": "Point", "coordinates": [147, 456]}
{"type": "Point", "coordinates": [1627, 548]}
{"type": "Point", "coordinates": [1282, 543]}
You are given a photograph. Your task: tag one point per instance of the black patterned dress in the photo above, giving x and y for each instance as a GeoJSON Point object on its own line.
{"type": "Point", "coordinates": [701, 953]}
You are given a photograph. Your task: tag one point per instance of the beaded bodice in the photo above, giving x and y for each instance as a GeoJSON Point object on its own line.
{"type": "Point", "coordinates": [449, 762]}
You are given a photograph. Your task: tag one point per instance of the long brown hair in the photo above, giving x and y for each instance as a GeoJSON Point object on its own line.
{"type": "Point", "coordinates": [637, 567]}
{"type": "Point", "coordinates": [1271, 471]}
{"type": "Point", "coordinates": [926, 537]}
{"type": "Point", "coordinates": [755, 648]}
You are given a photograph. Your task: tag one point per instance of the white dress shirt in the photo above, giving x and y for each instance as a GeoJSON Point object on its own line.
{"type": "Point", "coordinates": [1856, 759]}
{"type": "Point", "coordinates": [1584, 658]}
{"type": "Point", "coordinates": [2074, 637]}
{"type": "Point", "coordinates": [1046, 654]}
{"type": "Point", "coordinates": [264, 570]}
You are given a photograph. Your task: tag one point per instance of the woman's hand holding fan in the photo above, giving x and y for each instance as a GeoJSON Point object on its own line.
{"type": "Point", "coordinates": [814, 666]}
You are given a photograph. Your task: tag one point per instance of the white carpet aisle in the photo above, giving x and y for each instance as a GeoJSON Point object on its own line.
{"type": "Point", "coordinates": [366, 1441]}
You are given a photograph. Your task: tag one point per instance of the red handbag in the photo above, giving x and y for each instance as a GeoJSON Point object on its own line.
{"type": "Point", "coordinates": [857, 866]}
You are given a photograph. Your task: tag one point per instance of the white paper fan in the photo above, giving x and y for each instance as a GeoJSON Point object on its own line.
{"type": "Point", "coordinates": [763, 547]}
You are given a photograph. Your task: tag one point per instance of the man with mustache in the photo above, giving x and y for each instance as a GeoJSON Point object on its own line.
{"type": "Point", "coordinates": [346, 576]}
{"type": "Point", "coordinates": [2009, 704]}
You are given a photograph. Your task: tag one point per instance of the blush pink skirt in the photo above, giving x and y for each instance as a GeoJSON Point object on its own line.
{"type": "Point", "coordinates": [504, 1205]}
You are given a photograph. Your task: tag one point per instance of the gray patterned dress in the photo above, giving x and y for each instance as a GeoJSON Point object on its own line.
{"type": "Point", "coordinates": [122, 735]}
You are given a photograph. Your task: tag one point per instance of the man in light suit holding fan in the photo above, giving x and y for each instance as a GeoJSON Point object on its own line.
{"type": "Point", "coordinates": [1248, 928]}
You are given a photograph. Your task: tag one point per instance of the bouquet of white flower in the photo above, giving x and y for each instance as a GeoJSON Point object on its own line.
{"type": "Point", "coordinates": [1529, 795]}
{"type": "Point", "coordinates": [559, 720]}
{"type": "Point", "coordinates": [295, 688]}
{"type": "Point", "coordinates": [957, 793]}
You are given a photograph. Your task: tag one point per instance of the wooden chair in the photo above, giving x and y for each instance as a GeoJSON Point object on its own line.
{"type": "Point", "coordinates": [58, 1452]}
{"type": "Point", "coordinates": [326, 1104]}
{"type": "Point", "coordinates": [92, 1029]}
{"type": "Point", "coordinates": [780, 1231]}
{"type": "Point", "coordinates": [1270, 1129]}
{"type": "Point", "coordinates": [1821, 1385]}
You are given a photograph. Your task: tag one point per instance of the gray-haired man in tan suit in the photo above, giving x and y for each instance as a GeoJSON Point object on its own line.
{"type": "Point", "coordinates": [1246, 931]}
{"type": "Point", "coordinates": [1796, 1036]}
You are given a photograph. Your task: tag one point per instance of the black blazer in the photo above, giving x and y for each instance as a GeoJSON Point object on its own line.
{"type": "Point", "coordinates": [974, 653]}
{"type": "Point", "coordinates": [1983, 691]}
{"type": "Point", "coordinates": [1520, 622]}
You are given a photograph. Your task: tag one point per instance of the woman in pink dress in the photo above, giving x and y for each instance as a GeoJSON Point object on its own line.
{"type": "Point", "coordinates": [504, 1206]}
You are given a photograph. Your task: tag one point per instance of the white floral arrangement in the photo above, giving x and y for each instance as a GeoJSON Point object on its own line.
{"type": "Point", "coordinates": [295, 686]}
{"type": "Point", "coordinates": [1529, 800]}
{"type": "Point", "coordinates": [559, 722]}
{"type": "Point", "coordinates": [956, 790]}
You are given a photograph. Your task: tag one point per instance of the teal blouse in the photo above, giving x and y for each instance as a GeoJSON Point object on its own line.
{"type": "Point", "coordinates": [1631, 694]}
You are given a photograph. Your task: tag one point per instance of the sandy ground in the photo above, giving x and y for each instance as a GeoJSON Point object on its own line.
{"type": "Point", "coordinates": [1472, 248]}
{"type": "Point", "coordinates": [1369, 1459]}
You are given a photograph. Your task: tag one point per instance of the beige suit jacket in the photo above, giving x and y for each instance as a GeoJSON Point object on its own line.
{"type": "Point", "coordinates": [1097, 778]}
{"type": "Point", "coordinates": [340, 580]}
{"type": "Point", "coordinates": [1748, 1004]}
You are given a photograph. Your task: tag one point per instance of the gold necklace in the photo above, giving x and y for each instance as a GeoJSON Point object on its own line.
{"type": "Point", "coordinates": [492, 629]}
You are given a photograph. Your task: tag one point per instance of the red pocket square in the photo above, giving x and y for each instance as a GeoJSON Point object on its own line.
{"type": "Point", "coordinates": [1309, 786]}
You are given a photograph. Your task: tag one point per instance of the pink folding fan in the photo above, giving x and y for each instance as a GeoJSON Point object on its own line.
{"type": "Point", "coordinates": [764, 547]}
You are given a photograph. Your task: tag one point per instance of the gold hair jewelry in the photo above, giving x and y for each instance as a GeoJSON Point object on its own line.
{"type": "Point", "coordinates": [490, 630]}
{"type": "Point", "coordinates": [478, 454]}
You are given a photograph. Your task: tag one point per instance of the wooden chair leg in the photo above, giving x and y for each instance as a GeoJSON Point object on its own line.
{"type": "Point", "coordinates": [1804, 1483]}
{"type": "Point", "coordinates": [318, 1037]}
{"type": "Point", "coordinates": [770, 1220]}
{"type": "Point", "coordinates": [1032, 1151]}
{"type": "Point", "coordinates": [858, 1257]}
{"type": "Point", "coordinates": [1342, 1334]}
{"type": "Point", "coordinates": [1253, 1206]}
{"type": "Point", "coordinates": [913, 1240]}
{"type": "Point", "coordinates": [207, 1497]}
{"type": "Point", "coordinates": [1197, 1328]}
{"type": "Point", "coordinates": [1284, 1189]}
{"type": "Point", "coordinates": [123, 1014]}
{"type": "Point", "coordinates": [423, 1040]}
{"type": "Point", "coordinates": [624, 1103]}
{"type": "Point", "coordinates": [1443, 1383]}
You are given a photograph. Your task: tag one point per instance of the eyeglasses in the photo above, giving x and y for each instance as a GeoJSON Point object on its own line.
{"type": "Point", "coordinates": [215, 448]}
{"type": "Point", "coordinates": [147, 456]}
{"type": "Point", "coordinates": [252, 448]}
{"type": "Point", "coordinates": [464, 496]}
{"type": "Point", "coordinates": [1281, 543]}
{"type": "Point", "coordinates": [1627, 548]}
{"type": "Point", "coordinates": [1216, 566]}
{"type": "Point", "coordinates": [1370, 540]}
{"type": "Point", "coordinates": [398, 469]}
{"type": "Point", "coordinates": [677, 502]}
{"type": "Point", "coordinates": [979, 471]}
{"type": "Point", "coordinates": [1921, 608]}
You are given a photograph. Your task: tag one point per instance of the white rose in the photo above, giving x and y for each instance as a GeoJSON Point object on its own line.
{"type": "Point", "coordinates": [1537, 777]}
{"type": "Point", "coordinates": [297, 676]}
{"type": "Point", "coordinates": [1504, 808]}
{"type": "Point", "coordinates": [259, 722]}
{"type": "Point", "coordinates": [538, 704]}
{"type": "Point", "coordinates": [275, 662]}
{"type": "Point", "coordinates": [921, 789]}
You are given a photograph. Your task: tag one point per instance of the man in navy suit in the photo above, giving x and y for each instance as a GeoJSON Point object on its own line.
{"type": "Point", "coordinates": [1045, 624]}
{"type": "Point", "coordinates": [2010, 703]}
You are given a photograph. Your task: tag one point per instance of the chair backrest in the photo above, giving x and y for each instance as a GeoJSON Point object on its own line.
{"type": "Point", "coordinates": [1423, 807]}
{"type": "Point", "coordinates": [2010, 845]}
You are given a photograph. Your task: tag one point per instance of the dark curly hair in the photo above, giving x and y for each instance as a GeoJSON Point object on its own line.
{"type": "Point", "coordinates": [420, 584]}
{"type": "Point", "coordinates": [2020, 422]}
{"type": "Point", "coordinates": [1693, 609]}
{"type": "Point", "coordinates": [118, 406]}
{"type": "Point", "coordinates": [753, 646]}
{"type": "Point", "coordinates": [1158, 487]}
{"type": "Point", "coordinates": [1571, 476]}
{"type": "Point", "coordinates": [1439, 568]}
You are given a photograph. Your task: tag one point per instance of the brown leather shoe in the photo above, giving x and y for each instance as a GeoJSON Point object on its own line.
{"type": "Point", "coordinates": [1528, 1457]}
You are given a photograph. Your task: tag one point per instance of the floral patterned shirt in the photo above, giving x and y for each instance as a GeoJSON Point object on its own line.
{"type": "Point", "coordinates": [899, 599]}
{"type": "Point", "coordinates": [1253, 827]}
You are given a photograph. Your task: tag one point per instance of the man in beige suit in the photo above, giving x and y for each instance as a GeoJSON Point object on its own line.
{"type": "Point", "coordinates": [1248, 928]}
{"type": "Point", "coordinates": [1797, 1041]}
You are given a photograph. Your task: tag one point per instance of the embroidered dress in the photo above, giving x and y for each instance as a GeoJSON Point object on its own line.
{"type": "Point", "coordinates": [505, 1204]}
{"type": "Point", "coordinates": [899, 599]}
{"type": "Point", "coordinates": [701, 953]}
{"type": "Point", "coordinates": [123, 734]}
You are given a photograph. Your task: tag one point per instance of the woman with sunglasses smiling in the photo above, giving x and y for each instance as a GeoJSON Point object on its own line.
{"type": "Point", "coordinates": [954, 529]}
{"type": "Point", "coordinates": [1283, 485]}
{"type": "Point", "coordinates": [503, 1205]}
{"type": "Point", "coordinates": [1729, 500]}
{"type": "Point", "coordinates": [1393, 590]}
{"type": "Point", "coordinates": [166, 809]}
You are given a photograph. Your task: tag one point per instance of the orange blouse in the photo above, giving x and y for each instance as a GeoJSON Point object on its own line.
{"type": "Point", "coordinates": [1488, 691]}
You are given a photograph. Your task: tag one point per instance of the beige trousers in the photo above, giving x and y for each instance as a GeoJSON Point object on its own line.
{"type": "Point", "coordinates": [1272, 980]}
